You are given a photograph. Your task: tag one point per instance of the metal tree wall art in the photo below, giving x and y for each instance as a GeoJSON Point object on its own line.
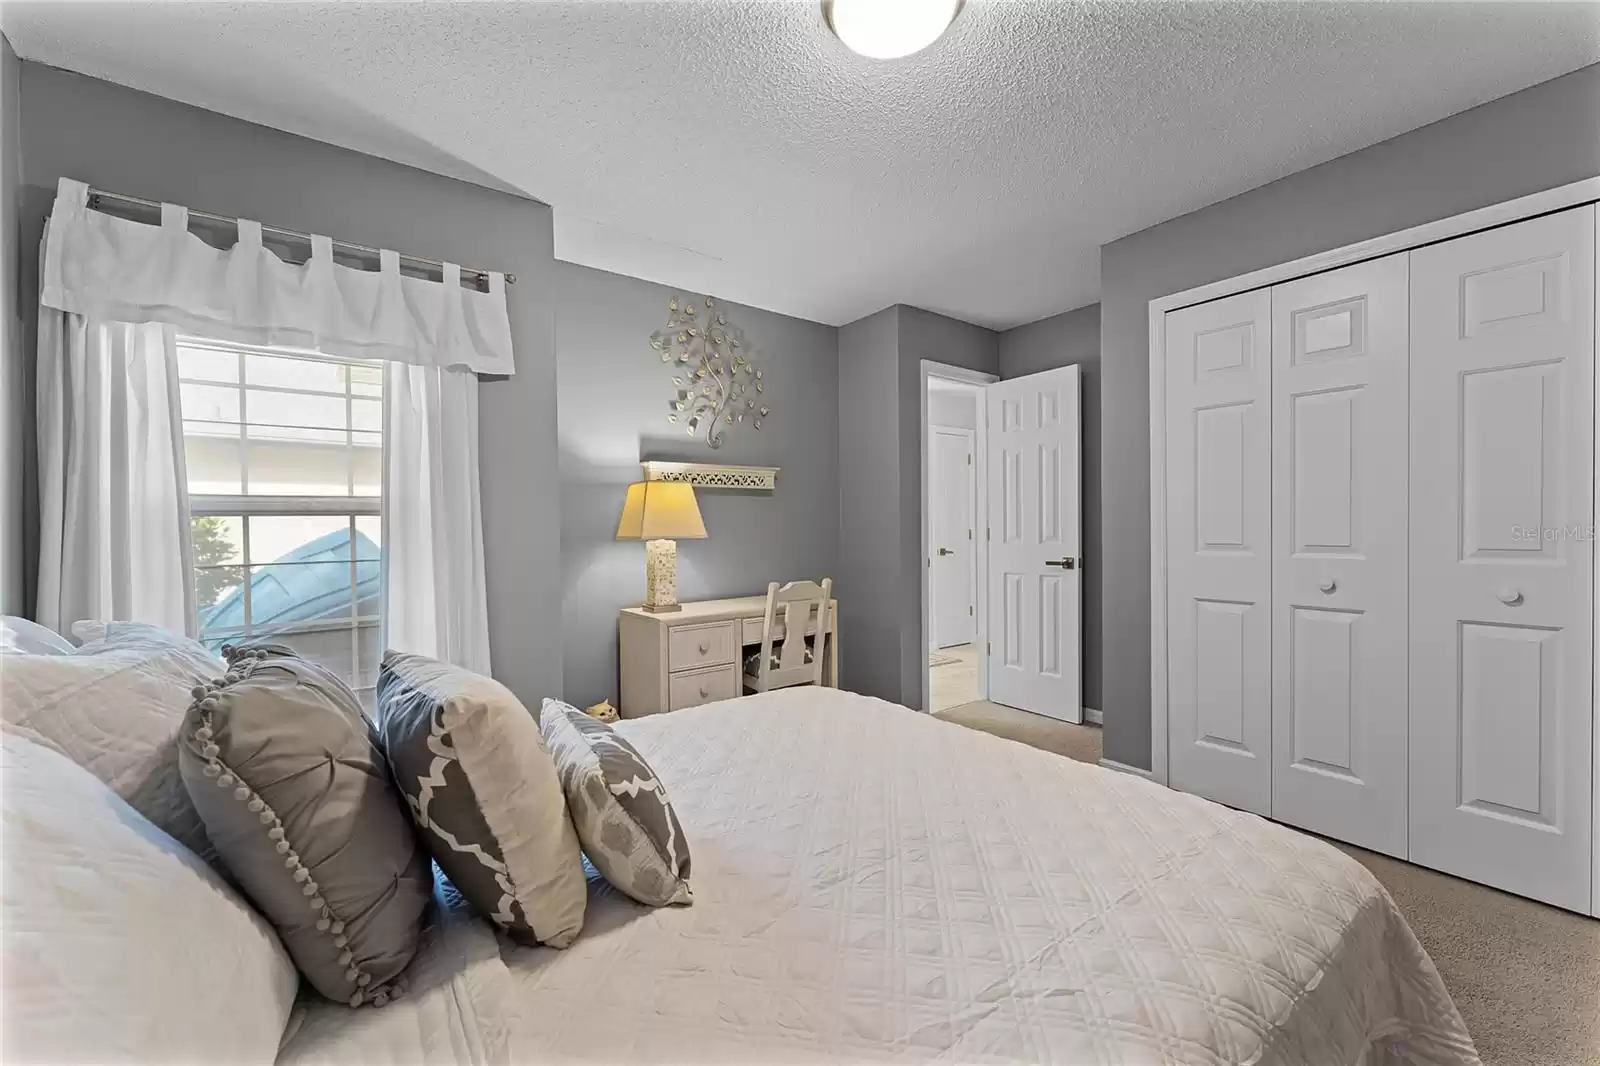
{"type": "Point", "coordinates": [718, 387]}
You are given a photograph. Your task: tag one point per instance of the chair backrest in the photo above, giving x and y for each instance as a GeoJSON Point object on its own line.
{"type": "Point", "coordinates": [793, 606]}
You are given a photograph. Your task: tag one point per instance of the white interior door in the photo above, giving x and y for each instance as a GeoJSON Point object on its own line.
{"type": "Point", "coordinates": [953, 588]}
{"type": "Point", "coordinates": [1339, 665]}
{"type": "Point", "coordinates": [1502, 556]}
{"type": "Point", "coordinates": [1035, 584]}
{"type": "Point", "coordinates": [1219, 550]}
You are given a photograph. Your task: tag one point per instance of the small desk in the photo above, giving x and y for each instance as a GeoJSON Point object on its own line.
{"type": "Point", "coordinates": [696, 655]}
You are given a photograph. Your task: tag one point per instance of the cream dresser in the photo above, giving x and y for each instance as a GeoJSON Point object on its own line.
{"type": "Point", "coordinates": [692, 656]}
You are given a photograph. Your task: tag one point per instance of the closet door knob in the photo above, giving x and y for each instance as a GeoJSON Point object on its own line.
{"type": "Point", "coordinates": [1328, 585]}
{"type": "Point", "coordinates": [1510, 597]}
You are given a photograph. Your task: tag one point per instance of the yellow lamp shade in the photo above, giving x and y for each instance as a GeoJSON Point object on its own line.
{"type": "Point", "coordinates": [658, 510]}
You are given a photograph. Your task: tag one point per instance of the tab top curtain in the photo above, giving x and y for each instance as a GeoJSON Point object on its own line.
{"type": "Point", "coordinates": [113, 269]}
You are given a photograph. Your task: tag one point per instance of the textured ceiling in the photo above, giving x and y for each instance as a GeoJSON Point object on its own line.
{"type": "Point", "coordinates": [740, 149]}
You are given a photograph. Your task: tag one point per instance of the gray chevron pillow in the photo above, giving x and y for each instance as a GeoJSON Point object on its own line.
{"type": "Point", "coordinates": [474, 769]}
{"type": "Point", "coordinates": [625, 822]}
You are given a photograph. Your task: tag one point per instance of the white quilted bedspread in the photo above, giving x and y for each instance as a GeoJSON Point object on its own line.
{"type": "Point", "coordinates": [872, 884]}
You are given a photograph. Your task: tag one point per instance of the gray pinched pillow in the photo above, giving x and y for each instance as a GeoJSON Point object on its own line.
{"type": "Point", "coordinates": [482, 788]}
{"type": "Point", "coordinates": [296, 798]}
{"type": "Point", "coordinates": [628, 828]}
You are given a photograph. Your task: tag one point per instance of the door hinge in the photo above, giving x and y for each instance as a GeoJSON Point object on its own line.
{"type": "Point", "coordinates": [969, 608]}
{"type": "Point", "coordinates": [990, 646]}
{"type": "Point", "coordinates": [969, 534]}
{"type": "Point", "coordinates": [969, 458]}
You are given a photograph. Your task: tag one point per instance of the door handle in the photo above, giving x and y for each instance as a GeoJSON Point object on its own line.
{"type": "Point", "coordinates": [1069, 563]}
{"type": "Point", "coordinates": [946, 551]}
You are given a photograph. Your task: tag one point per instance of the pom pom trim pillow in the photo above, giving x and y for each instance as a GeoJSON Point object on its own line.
{"type": "Point", "coordinates": [628, 827]}
{"type": "Point", "coordinates": [483, 790]}
{"type": "Point", "coordinates": [296, 797]}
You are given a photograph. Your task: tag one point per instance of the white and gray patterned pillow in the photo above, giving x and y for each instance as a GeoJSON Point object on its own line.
{"type": "Point", "coordinates": [482, 788]}
{"type": "Point", "coordinates": [628, 828]}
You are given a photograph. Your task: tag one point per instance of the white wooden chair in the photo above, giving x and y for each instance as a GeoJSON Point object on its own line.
{"type": "Point", "coordinates": [794, 660]}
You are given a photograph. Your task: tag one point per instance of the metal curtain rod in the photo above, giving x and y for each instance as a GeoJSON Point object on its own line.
{"type": "Point", "coordinates": [96, 195]}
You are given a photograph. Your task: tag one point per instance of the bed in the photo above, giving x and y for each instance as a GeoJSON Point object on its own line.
{"type": "Point", "coordinates": [872, 884]}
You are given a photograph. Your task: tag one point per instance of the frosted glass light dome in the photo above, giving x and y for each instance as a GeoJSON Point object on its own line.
{"type": "Point", "coordinates": [889, 29]}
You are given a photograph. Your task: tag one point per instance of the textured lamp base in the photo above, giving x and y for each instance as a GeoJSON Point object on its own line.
{"type": "Point", "coordinates": [661, 576]}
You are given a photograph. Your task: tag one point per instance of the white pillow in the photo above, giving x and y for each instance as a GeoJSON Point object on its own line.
{"type": "Point", "coordinates": [18, 635]}
{"type": "Point", "coordinates": [120, 945]}
{"type": "Point", "coordinates": [115, 707]}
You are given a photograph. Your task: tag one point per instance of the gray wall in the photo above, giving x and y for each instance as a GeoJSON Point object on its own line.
{"type": "Point", "coordinates": [868, 580]}
{"type": "Point", "coordinates": [132, 142]}
{"type": "Point", "coordinates": [612, 393]}
{"type": "Point", "coordinates": [15, 417]}
{"type": "Point", "coordinates": [880, 489]}
{"type": "Point", "coordinates": [1067, 339]}
{"type": "Point", "coordinates": [1537, 139]}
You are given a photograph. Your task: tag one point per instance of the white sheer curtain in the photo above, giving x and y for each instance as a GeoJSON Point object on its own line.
{"type": "Point", "coordinates": [113, 507]}
{"type": "Point", "coordinates": [436, 599]}
{"type": "Point", "coordinates": [113, 293]}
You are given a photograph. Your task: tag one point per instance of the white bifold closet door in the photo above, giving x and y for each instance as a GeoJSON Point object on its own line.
{"type": "Point", "coordinates": [1339, 343]}
{"type": "Point", "coordinates": [1219, 550]}
{"type": "Point", "coordinates": [1502, 556]}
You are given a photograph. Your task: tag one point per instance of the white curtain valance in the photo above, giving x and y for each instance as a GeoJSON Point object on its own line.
{"type": "Point", "coordinates": [117, 270]}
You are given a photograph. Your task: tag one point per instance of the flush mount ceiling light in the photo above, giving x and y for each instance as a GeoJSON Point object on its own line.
{"type": "Point", "coordinates": [889, 29]}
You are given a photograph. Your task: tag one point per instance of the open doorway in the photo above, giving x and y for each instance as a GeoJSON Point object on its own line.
{"type": "Point", "coordinates": [954, 545]}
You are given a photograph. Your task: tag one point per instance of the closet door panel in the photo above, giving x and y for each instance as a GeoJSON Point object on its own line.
{"type": "Point", "coordinates": [1502, 557]}
{"type": "Point", "coordinates": [1219, 558]}
{"type": "Point", "coordinates": [1339, 346]}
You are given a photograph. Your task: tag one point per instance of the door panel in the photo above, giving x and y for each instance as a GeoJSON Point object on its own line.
{"type": "Point", "coordinates": [1339, 344]}
{"type": "Point", "coordinates": [1036, 604]}
{"type": "Point", "coordinates": [1219, 559]}
{"type": "Point", "coordinates": [1502, 557]}
{"type": "Point", "coordinates": [953, 586]}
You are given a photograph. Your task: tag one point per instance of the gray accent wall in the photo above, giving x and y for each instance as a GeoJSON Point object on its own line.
{"type": "Point", "coordinates": [132, 142]}
{"type": "Point", "coordinates": [613, 393]}
{"type": "Point", "coordinates": [16, 419]}
{"type": "Point", "coordinates": [1540, 138]}
{"type": "Point", "coordinates": [880, 489]}
{"type": "Point", "coordinates": [1073, 339]}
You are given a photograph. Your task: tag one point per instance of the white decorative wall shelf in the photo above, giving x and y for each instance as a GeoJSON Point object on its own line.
{"type": "Point", "coordinates": [714, 475]}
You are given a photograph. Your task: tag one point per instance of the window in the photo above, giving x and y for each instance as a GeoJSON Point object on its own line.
{"type": "Point", "coordinates": [285, 455]}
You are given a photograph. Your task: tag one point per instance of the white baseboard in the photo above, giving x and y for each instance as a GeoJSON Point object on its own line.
{"type": "Point", "coordinates": [1093, 716]}
{"type": "Point", "coordinates": [1124, 768]}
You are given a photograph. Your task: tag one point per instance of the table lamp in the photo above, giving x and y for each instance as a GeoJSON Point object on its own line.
{"type": "Point", "coordinates": [659, 512]}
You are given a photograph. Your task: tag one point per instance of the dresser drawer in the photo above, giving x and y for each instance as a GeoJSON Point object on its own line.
{"type": "Point", "coordinates": [691, 646]}
{"type": "Point", "coordinates": [701, 686]}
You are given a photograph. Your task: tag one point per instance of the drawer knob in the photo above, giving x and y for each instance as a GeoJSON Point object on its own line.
{"type": "Point", "coordinates": [1328, 585]}
{"type": "Point", "coordinates": [705, 690]}
{"type": "Point", "coordinates": [705, 646]}
{"type": "Point", "coordinates": [1510, 597]}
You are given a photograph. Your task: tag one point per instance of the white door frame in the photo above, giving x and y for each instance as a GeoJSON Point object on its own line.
{"type": "Point", "coordinates": [1512, 211]}
{"type": "Point", "coordinates": [971, 437]}
{"type": "Point", "coordinates": [980, 554]}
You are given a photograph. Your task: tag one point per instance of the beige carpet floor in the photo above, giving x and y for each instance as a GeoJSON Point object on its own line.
{"type": "Point", "coordinates": [1526, 977]}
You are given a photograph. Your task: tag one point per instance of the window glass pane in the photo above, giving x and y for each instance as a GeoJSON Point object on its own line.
{"type": "Point", "coordinates": [294, 409]}
{"type": "Point", "coordinates": [217, 539]}
{"type": "Point", "coordinates": [298, 468]}
{"type": "Point", "coordinates": [294, 373]}
{"type": "Point", "coordinates": [299, 538]}
{"type": "Point", "coordinates": [366, 380]}
{"type": "Point", "coordinates": [214, 461]}
{"type": "Point", "coordinates": [366, 414]}
{"type": "Point", "coordinates": [208, 365]}
{"type": "Point", "coordinates": [369, 538]}
{"type": "Point", "coordinates": [214, 585]}
{"type": "Point", "coordinates": [298, 594]}
{"type": "Point", "coordinates": [366, 465]}
{"type": "Point", "coordinates": [210, 403]}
